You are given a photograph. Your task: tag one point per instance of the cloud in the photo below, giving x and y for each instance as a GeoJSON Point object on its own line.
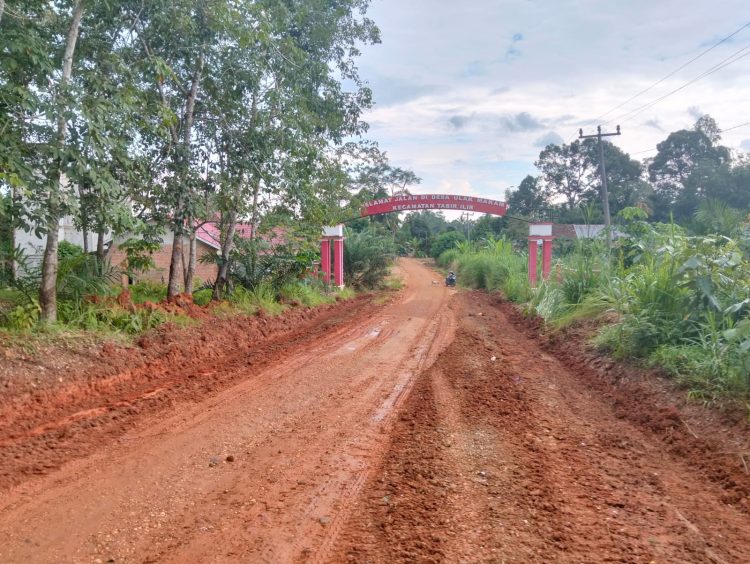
{"type": "Point", "coordinates": [475, 68]}
{"type": "Point", "coordinates": [653, 123]}
{"type": "Point", "coordinates": [452, 107]}
{"type": "Point", "coordinates": [695, 112]}
{"type": "Point", "coordinates": [550, 138]}
{"type": "Point", "coordinates": [388, 90]}
{"type": "Point", "coordinates": [522, 121]}
{"type": "Point", "coordinates": [512, 52]}
{"type": "Point", "coordinates": [458, 122]}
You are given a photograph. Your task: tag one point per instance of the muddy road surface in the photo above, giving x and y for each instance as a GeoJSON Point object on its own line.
{"type": "Point", "coordinates": [432, 427]}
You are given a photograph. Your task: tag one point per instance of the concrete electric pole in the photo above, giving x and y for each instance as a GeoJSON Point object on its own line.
{"type": "Point", "coordinates": [605, 193]}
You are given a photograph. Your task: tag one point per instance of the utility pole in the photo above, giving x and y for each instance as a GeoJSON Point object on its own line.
{"type": "Point", "coordinates": [605, 193]}
{"type": "Point", "coordinates": [467, 218]}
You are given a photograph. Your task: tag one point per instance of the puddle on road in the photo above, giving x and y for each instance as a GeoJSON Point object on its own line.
{"type": "Point", "coordinates": [358, 342]}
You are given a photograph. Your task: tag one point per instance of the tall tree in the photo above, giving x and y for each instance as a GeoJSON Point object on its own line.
{"type": "Point", "coordinates": [58, 184]}
{"type": "Point", "coordinates": [571, 172]}
{"type": "Point", "coordinates": [677, 158]}
{"type": "Point", "coordinates": [527, 198]}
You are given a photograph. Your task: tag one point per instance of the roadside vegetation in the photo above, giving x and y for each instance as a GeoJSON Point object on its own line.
{"type": "Point", "coordinates": [666, 297]}
{"type": "Point", "coordinates": [113, 125]}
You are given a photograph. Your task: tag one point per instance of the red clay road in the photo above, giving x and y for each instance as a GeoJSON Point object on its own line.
{"type": "Point", "coordinates": [431, 428]}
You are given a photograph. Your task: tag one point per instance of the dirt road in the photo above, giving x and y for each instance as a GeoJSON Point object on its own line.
{"type": "Point", "coordinates": [263, 471]}
{"type": "Point", "coordinates": [429, 428]}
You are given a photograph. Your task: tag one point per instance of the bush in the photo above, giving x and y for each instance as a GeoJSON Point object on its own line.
{"type": "Point", "coordinates": [446, 241]}
{"type": "Point", "coordinates": [367, 258]}
{"type": "Point", "coordinates": [147, 291]}
{"type": "Point", "coordinates": [263, 296]}
{"type": "Point", "coordinates": [203, 296]}
{"type": "Point", "coordinates": [449, 258]}
{"type": "Point", "coordinates": [305, 294]}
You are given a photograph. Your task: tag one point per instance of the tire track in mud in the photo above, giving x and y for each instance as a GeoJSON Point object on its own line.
{"type": "Point", "coordinates": [40, 432]}
{"type": "Point", "coordinates": [302, 434]}
{"type": "Point", "coordinates": [517, 459]}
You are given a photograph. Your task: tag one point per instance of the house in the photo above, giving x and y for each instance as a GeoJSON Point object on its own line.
{"type": "Point", "coordinates": [32, 246]}
{"type": "Point", "coordinates": [207, 243]}
{"type": "Point", "coordinates": [204, 271]}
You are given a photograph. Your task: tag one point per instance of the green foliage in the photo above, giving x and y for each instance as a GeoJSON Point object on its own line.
{"type": "Point", "coordinates": [367, 258]}
{"type": "Point", "coordinates": [138, 252]}
{"type": "Point", "coordinates": [147, 291]}
{"type": "Point", "coordinates": [449, 258]}
{"type": "Point", "coordinates": [445, 241]}
{"type": "Point", "coordinates": [202, 297]}
{"type": "Point", "coordinates": [254, 264]}
{"type": "Point", "coordinates": [307, 294]}
{"type": "Point", "coordinates": [496, 266]}
{"type": "Point", "coordinates": [673, 300]}
{"type": "Point", "coordinates": [261, 297]}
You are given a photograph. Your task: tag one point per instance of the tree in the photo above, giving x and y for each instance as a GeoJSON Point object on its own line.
{"type": "Point", "coordinates": [527, 198]}
{"type": "Point", "coordinates": [677, 158]}
{"type": "Point", "coordinates": [58, 183]}
{"type": "Point", "coordinates": [708, 126]}
{"type": "Point", "coordinates": [446, 241]}
{"type": "Point", "coordinates": [572, 172]}
{"type": "Point", "coordinates": [290, 114]}
{"type": "Point", "coordinates": [568, 172]}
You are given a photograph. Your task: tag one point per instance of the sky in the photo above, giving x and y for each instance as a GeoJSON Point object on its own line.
{"type": "Point", "coordinates": [468, 92]}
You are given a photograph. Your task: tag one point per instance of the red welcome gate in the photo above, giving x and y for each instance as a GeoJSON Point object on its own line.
{"type": "Point", "coordinates": [538, 233]}
{"type": "Point", "coordinates": [433, 202]}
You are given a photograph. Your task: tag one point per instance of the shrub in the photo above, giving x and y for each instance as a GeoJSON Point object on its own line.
{"type": "Point", "coordinates": [446, 241]}
{"type": "Point", "coordinates": [147, 291]}
{"type": "Point", "coordinates": [305, 294]}
{"type": "Point", "coordinates": [367, 258]}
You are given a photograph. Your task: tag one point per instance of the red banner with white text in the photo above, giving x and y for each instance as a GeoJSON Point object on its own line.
{"type": "Point", "coordinates": [433, 202]}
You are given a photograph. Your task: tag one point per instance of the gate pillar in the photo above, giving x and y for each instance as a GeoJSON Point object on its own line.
{"type": "Point", "coordinates": [333, 235]}
{"type": "Point", "coordinates": [325, 259]}
{"type": "Point", "coordinates": [540, 233]}
{"type": "Point", "coordinates": [533, 253]}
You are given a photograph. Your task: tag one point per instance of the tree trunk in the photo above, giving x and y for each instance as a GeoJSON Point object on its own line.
{"type": "Point", "coordinates": [222, 278]}
{"type": "Point", "coordinates": [48, 287]}
{"type": "Point", "coordinates": [173, 287]}
{"type": "Point", "coordinates": [192, 258]}
{"type": "Point", "coordinates": [100, 245]}
{"type": "Point", "coordinates": [85, 233]}
{"type": "Point", "coordinates": [254, 219]}
{"type": "Point", "coordinates": [13, 261]}
{"type": "Point", "coordinates": [174, 265]}
{"type": "Point", "coordinates": [2, 9]}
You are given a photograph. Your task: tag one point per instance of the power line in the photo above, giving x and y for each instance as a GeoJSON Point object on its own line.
{"type": "Point", "coordinates": [720, 131]}
{"type": "Point", "coordinates": [734, 127]}
{"type": "Point", "coordinates": [733, 58]}
{"type": "Point", "coordinates": [678, 69]}
{"type": "Point", "coordinates": [665, 77]}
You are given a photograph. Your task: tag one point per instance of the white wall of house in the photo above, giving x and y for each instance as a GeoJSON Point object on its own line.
{"type": "Point", "coordinates": [33, 246]}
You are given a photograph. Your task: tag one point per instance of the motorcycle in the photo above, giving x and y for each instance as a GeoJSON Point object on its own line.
{"type": "Point", "coordinates": [450, 280]}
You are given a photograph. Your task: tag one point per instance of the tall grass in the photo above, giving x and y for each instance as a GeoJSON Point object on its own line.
{"type": "Point", "coordinates": [672, 300]}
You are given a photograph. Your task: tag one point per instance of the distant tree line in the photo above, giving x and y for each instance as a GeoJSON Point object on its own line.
{"type": "Point", "coordinates": [690, 167]}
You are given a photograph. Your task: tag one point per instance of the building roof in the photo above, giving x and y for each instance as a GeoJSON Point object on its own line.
{"type": "Point", "coordinates": [581, 231]}
{"type": "Point", "coordinates": [210, 233]}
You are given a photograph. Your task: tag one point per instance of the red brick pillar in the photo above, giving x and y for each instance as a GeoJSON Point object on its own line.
{"type": "Point", "coordinates": [546, 258]}
{"type": "Point", "coordinates": [533, 252]}
{"type": "Point", "coordinates": [325, 259]}
{"type": "Point", "coordinates": [338, 262]}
